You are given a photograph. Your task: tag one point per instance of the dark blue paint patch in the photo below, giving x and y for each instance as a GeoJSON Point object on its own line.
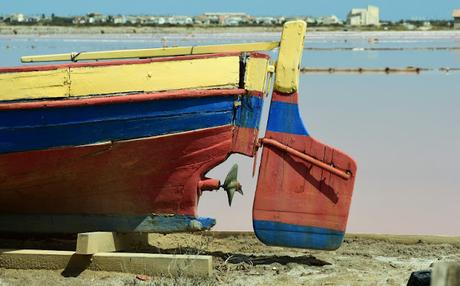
{"type": "Point", "coordinates": [297, 236]}
{"type": "Point", "coordinates": [24, 130]}
{"type": "Point", "coordinates": [73, 223]}
{"type": "Point", "coordinates": [285, 117]}
{"type": "Point", "coordinates": [249, 113]}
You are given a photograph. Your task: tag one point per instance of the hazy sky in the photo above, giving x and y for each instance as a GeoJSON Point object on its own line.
{"type": "Point", "coordinates": [390, 9]}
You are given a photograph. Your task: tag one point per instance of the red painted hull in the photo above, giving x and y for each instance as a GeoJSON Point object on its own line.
{"type": "Point", "coordinates": [143, 176]}
{"type": "Point", "coordinates": [311, 196]}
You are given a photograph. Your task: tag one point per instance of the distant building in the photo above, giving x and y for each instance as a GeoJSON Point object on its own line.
{"type": "Point", "coordinates": [91, 18]}
{"type": "Point", "coordinates": [133, 20]}
{"type": "Point", "coordinates": [310, 20]}
{"type": "Point", "coordinates": [364, 17]}
{"type": "Point", "coordinates": [426, 26]}
{"type": "Point", "coordinates": [456, 15]}
{"type": "Point", "coordinates": [155, 20]}
{"type": "Point", "coordinates": [222, 18]}
{"type": "Point", "coordinates": [119, 20]}
{"type": "Point", "coordinates": [329, 20]}
{"type": "Point", "coordinates": [17, 18]}
{"type": "Point", "coordinates": [265, 21]}
{"type": "Point", "coordinates": [409, 26]}
{"type": "Point", "coordinates": [96, 18]}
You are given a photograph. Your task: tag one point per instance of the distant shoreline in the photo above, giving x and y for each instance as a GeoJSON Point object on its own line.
{"type": "Point", "coordinates": [55, 30]}
{"type": "Point", "coordinates": [98, 30]}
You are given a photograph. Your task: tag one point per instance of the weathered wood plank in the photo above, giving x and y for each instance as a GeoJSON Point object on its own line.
{"type": "Point", "coordinates": [290, 57]}
{"type": "Point", "coordinates": [37, 84]}
{"type": "Point", "coordinates": [201, 73]}
{"type": "Point", "coordinates": [445, 274]}
{"type": "Point", "coordinates": [155, 52]}
{"type": "Point", "coordinates": [136, 263]}
{"type": "Point", "coordinates": [96, 242]}
{"type": "Point", "coordinates": [90, 243]}
{"type": "Point", "coordinates": [156, 76]}
{"type": "Point", "coordinates": [256, 74]}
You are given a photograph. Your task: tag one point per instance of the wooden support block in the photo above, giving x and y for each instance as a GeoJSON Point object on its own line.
{"type": "Point", "coordinates": [154, 264]}
{"type": "Point", "coordinates": [35, 259]}
{"type": "Point", "coordinates": [136, 263]}
{"type": "Point", "coordinates": [445, 274]}
{"type": "Point", "coordinates": [95, 242]}
{"type": "Point", "coordinates": [89, 243]}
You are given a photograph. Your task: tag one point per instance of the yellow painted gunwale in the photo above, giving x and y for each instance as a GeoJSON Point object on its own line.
{"type": "Point", "coordinates": [34, 84]}
{"type": "Point", "coordinates": [212, 72]}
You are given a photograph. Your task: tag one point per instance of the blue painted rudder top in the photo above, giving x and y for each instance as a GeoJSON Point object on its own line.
{"type": "Point", "coordinates": [285, 118]}
{"type": "Point", "coordinates": [297, 236]}
{"type": "Point", "coordinates": [250, 111]}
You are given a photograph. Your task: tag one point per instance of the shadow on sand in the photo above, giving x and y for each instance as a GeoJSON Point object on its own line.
{"type": "Point", "coordinates": [236, 258]}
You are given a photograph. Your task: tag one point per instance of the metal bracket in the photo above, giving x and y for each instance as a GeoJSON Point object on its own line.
{"type": "Point", "coordinates": [307, 158]}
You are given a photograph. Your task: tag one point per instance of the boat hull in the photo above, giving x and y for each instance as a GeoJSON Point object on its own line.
{"type": "Point", "coordinates": [152, 150]}
{"type": "Point", "coordinates": [154, 174]}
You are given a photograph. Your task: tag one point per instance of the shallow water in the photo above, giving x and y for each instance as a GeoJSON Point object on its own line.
{"type": "Point", "coordinates": [401, 129]}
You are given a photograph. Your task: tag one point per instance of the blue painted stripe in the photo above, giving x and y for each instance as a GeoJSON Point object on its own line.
{"type": "Point", "coordinates": [249, 114]}
{"type": "Point", "coordinates": [297, 236]}
{"type": "Point", "coordinates": [75, 223]}
{"type": "Point", "coordinates": [25, 139]}
{"type": "Point", "coordinates": [285, 117]}
{"type": "Point", "coordinates": [124, 111]}
{"type": "Point", "coordinates": [23, 130]}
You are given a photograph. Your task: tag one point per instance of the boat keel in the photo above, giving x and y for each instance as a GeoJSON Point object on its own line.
{"type": "Point", "coordinates": [78, 223]}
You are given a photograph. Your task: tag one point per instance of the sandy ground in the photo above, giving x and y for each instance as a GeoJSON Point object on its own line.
{"type": "Point", "coordinates": [240, 259]}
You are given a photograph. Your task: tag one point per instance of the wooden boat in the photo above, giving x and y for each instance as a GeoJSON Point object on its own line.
{"type": "Point", "coordinates": [124, 143]}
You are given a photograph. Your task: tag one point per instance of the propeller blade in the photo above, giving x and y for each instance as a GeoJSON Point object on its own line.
{"type": "Point", "coordinates": [231, 184]}
{"type": "Point", "coordinates": [230, 194]}
{"type": "Point", "coordinates": [231, 176]}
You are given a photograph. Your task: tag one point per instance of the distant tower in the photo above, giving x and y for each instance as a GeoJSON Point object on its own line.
{"type": "Point", "coordinates": [456, 15]}
{"type": "Point", "coordinates": [373, 16]}
{"type": "Point", "coordinates": [364, 17]}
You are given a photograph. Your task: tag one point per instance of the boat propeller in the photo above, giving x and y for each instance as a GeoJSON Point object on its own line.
{"type": "Point", "coordinates": [231, 184]}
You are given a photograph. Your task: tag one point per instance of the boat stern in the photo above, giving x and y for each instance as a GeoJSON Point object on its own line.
{"type": "Point", "coordinates": [304, 187]}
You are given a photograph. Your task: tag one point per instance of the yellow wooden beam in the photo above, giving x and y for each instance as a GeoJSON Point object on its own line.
{"type": "Point", "coordinates": [256, 74]}
{"type": "Point", "coordinates": [136, 263]}
{"type": "Point", "coordinates": [156, 76]}
{"type": "Point", "coordinates": [290, 57]}
{"type": "Point", "coordinates": [147, 77]}
{"type": "Point", "coordinates": [248, 47]}
{"type": "Point", "coordinates": [150, 53]}
{"type": "Point", "coordinates": [36, 84]}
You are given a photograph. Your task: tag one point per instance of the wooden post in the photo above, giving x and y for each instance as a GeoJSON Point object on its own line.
{"type": "Point", "coordinates": [290, 57]}
{"type": "Point", "coordinates": [445, 274]}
